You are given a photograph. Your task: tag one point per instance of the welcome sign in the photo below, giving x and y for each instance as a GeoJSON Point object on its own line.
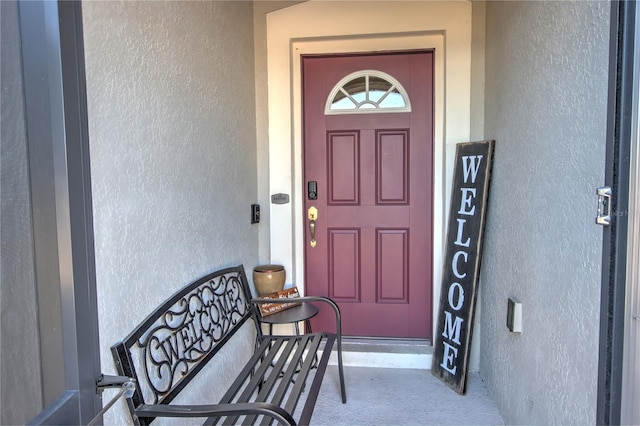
{"type": "Point", "coordinates": [462, 263]}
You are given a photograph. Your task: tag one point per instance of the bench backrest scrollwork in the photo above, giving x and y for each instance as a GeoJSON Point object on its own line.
{"type": "Point", "coordinates": [176, 340]}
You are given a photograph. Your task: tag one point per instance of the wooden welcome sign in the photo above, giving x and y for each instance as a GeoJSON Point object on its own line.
{"type": "Point", "coordinates": [462, 263]}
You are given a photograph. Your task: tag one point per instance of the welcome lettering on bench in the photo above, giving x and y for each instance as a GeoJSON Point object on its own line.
{"type": "Point", "coordinates": [189, 330]}
{"type": "Point", "coordinates": [462, 263]}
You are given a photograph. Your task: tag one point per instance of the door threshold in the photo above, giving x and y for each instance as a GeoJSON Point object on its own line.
{"type": "Point", "coordinates": [385, 353]}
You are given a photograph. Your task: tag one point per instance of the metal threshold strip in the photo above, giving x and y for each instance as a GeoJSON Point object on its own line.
{"type": "Point", "coordinates": [385, 345]}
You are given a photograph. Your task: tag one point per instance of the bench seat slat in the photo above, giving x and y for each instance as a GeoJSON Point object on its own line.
{"type": "Point", "coordinates": [314, 389]}
{"type": "Point", "coordinates": [277, 371]}
{"type": "Point", "coordinates": [298, 344]}
{"type": "Point", "coordinates": [294, 396]}
{"type": "Point", "coordinates": [249, 370]}
{"type": "Point", "coordinates": [264, 357]}
{"type": "Point", "coordinates": [280, 393]}
{"type": "Point", "coordinates": [276, 374]}
{"type": "Point", "coordinates": [287, 376]}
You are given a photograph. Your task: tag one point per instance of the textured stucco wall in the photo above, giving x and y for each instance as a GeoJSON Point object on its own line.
{"type": "Point", "coordinates": [173, 156]}
{"type": "Point", "coordinates": [545, 105]}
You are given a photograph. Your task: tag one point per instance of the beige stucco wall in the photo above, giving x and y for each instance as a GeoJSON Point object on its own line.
{"type": "Point", "coordinates": [545, 105]}
{"type": "Point", "coordinates": [173, 155]}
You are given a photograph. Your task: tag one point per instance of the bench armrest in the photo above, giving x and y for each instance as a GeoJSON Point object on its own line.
{"type": "Point", "coordinates": [336, 310]}
{"type": "Point", "coordinates": [216, 410]}
{"type": "Point", "coordinates": [330, 302]}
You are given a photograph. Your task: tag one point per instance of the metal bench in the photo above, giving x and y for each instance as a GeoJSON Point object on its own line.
{"type": "Point", "coordinates": [165, 352]}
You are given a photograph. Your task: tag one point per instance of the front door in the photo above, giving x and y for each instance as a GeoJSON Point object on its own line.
{"type": "Point", "coordinates": [368, 173]}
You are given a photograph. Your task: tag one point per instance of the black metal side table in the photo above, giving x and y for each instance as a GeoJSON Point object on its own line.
{"type": "Point", "coordinates": [303, 312]}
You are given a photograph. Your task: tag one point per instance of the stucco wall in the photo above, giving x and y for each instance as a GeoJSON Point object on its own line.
{"type": "Point", "coordinates": [545, 105]}
{"type": "Point", "coordinates": [173, 156]}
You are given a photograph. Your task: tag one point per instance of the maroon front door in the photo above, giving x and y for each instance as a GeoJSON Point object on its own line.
{"type": "Point", "coordinates": [369, 176]}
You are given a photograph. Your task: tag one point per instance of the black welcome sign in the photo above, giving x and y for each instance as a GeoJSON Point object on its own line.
{"type": "Point", "coordinates": [462, 263]}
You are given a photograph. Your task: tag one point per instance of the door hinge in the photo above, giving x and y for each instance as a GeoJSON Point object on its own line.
{"type": "Point", "coordinates": [604, 206]}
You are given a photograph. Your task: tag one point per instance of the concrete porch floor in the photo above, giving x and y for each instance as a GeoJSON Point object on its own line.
{"type": "Point", "coordinates": [389, 382]}
{"type": "Point", "coordinates": [396, 396]}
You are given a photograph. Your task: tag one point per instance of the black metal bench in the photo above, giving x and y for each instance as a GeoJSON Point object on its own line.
{"type": "Point", "coordinates": [166, 351]}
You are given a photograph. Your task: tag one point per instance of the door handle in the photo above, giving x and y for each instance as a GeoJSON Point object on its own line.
{"type": "Point", "coordinates": [312, 215]}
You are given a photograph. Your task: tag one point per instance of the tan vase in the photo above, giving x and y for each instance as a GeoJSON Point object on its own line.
{"type": "Point", "coordinates": [268, 279]}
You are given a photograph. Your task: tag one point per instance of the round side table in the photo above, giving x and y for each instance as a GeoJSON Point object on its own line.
{"type": "Point", "coordinates": [303, 312]}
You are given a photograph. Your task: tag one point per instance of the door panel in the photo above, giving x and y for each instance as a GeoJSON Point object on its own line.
{"type": "Point", "coordinates": [392, 256]}
{"type": "Point", "coordinates": [344, 265]}
{"type": "Point", "coordinates": [343, 176]}
{"type": "Point", "coordinates": [392, 167]}
{"type": "Point", "coordinates": [374, 199]}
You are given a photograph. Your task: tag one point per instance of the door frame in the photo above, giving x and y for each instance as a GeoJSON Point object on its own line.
{"type": "Point", "coordinates": [315, 47]}
{"type": "Point", "coordinates": [58, 150]}
{"type": "Point", "coordinates": [616, 262]}
{"type": "Point", "coordinates": [302, 29]}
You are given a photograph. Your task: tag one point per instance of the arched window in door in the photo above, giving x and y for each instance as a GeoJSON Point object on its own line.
{"type": "Point", "coordinates": [367, 91]}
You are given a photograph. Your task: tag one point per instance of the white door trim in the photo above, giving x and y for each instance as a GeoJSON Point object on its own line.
{"type": "Point", "coordinates": [304, 29]}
